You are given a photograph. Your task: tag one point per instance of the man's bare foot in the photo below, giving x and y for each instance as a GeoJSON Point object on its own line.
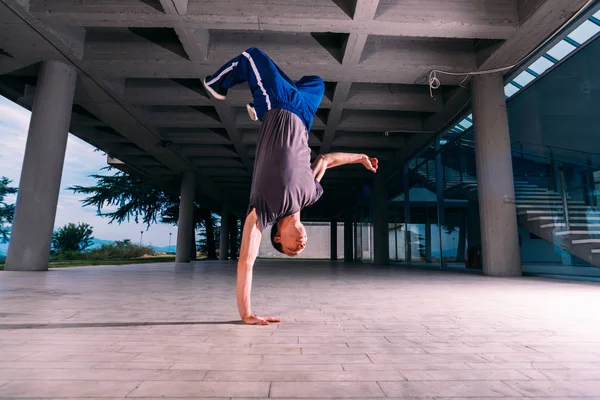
{"type": "Point", "coordinates": [254, 319]}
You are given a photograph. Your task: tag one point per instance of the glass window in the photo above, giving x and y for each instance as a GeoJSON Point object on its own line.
{"type": "Point", "coordinates": [561, 49]}
{"type": "Point", "coordinates": [584, 32]}
{"type": "Point", "coordinates": [524, 78]}
{"type": "Point", "coordinates": [597, 15]}
{"type": "Point", "coordinates": [465, 124]}
{"type": "Point", "coordinates": [541, 65]}
{"type": "Point", "coordinates": [510, 89]}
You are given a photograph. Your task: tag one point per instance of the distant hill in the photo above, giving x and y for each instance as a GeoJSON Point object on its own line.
{"type": "Point", "coordinates": [3, 250]}
{"type": "Point", "coordinates": [99, 242]}
{"type": "Point", "coordinates": [95, 243]}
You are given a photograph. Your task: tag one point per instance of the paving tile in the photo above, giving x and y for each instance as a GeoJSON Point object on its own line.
{"type": "Point", "coordinates": [535, 374]}
{"type": "Point", "coordinates": [65, 348]}
{"type": "Point", "coordinates": [409, 367]}
{"type": "Point", "coordinates": [100, 374]}
{"type": "Point", "coordinates": [359, 350]}
{"type": "Point", "coordinates": [516, 365]}
{"type": "Point", "coordinates": [60, 356]}
{"type": "Point", "coordinates": [195, 357]}
{"type": "Point", "coordinates": [307, 376]}
{"type": "Point", "coordinates": [342, 339]}
{"type": "Point", "coordinates": [581, 365]}
{"type": "Point", "coordinates": [236, 341]}
{"type": "Point", "coordinates": [463, 375]}
{"type": "Point", "coordinates": [325, 389]}
{"type": "Point", "coordinates": [258, 367]}
{"type": "Point", "coordinates": [539, 357]}
{"type": "Point", "coordinates": [165, 349]}
{"type": "Point", "coordinates": [566, 375]}
{"type": "Point", "coordinates": [556, 388]}
{"type": "Point", "coordinates": [451, 349]}
{"type": "Point", "coordinates": [47, 364]}
{"type": "Point", "coordinates": [13, 355]}
{"type": "Point", "coordinates": [201, 389]}
{"type": "Point", "coordinates": [512, 398]}
{"type": "Point", "coordinates": [129, 365]}
{"type": "Point", "coordinates": [258, 350]}
{"type": "Point", "coordinates": [316, 359]}
{"type": "Point", "coordinates": [447, 388]}
{"type": "Point", "coordinates": [64, 388]}
{"type": "Point", "coordinates": [354, 326]}
{"type": "Point", "coordinates": [423, 358]}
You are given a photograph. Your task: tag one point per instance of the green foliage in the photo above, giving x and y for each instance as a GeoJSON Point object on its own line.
{"type": "Point", "coordinates": [119, 250]}
{"type": "Point", "coordinates": [133, 198]}
{"type": "Point", "coordinates": [68, 255]}
{"type": "Point", "coordinates": [72, 238]}
{"type": "Point", "coordinates": [139, 200]}
{"type": "Point", "coordinates": [7, 211]}
{"type": "Point", "coordinates": [202, 243]}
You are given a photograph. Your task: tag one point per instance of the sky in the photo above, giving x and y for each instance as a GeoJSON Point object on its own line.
{"type": "Point", "coordinates": [81, 161]}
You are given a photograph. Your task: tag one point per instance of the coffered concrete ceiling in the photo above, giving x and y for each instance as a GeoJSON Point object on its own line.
{"type": "Point", "coordinates": [140, 99]}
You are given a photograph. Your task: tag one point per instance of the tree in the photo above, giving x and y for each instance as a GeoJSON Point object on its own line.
{"type": "Point", "coordinates": [7, 211]}
{"type": "Point", "coordinates": [210, 236]}
{"type": "Point", "coordinates": [139, 200]}
{"type": "Point", "coordinates": [133, 198]}
{"type": "Point", "coordinates": [72, 238]}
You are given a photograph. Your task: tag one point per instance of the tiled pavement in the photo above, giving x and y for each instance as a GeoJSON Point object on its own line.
{"type": "Point", "coordinates": [164, 331]}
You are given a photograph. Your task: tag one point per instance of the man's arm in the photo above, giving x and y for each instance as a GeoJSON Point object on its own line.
{"type": "Point", "coordinates": [251, 237]}
{"type": "Point", "coordinates": [330, 160]}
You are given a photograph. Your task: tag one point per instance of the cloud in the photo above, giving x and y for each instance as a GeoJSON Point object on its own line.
{"type": "Point", "coordinates": [81, 161]}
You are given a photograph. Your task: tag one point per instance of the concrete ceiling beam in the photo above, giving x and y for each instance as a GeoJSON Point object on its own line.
{"type": "Point", "coordinates": [175, 7]}
{"type": "Point", "coordinates": [438, 19]}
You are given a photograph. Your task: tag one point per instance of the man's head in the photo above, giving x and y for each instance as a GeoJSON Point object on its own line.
{"type": "Point", "coordinates": [288, 236]}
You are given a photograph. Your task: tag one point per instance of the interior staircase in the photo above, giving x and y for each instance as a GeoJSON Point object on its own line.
{"type": "Point", "coordinates": [539, 210]}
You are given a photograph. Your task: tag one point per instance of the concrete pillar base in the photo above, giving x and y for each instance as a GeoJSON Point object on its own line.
{"type": "Point", "coordinates": [348, 237]}
{"type": "Point", "coordinates": [380, 221]}
{"type": "Point", "coordinates": [185, 225]}
{"type": "Point", "coordinates": [333, 240]}
{"type": "Point", "coordinates": [224, 240]}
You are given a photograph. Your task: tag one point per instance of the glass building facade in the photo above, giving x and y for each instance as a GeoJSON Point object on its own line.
{"type": "Point", "coordinates": [553, 108]}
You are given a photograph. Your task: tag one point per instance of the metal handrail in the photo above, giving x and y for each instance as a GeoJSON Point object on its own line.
{"type": "Point", "coordinates": [470, 143]}
{"type": "Point", "coordinates": [586, 153]}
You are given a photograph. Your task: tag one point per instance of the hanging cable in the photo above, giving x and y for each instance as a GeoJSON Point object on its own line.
{"type": "Point", "coordinates": [434, 82]}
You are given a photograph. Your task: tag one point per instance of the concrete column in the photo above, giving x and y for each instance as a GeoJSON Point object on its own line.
{"type": "Point", "coordinates": [224, 245]}
{"type": "Point", "coordinates": [499, 234]}
{"type": "Point", "coordinates": [439, 185]}
{"type": "Point", "coordinates": [348, 237]}
{"type": "Point", "coordinates": [233, 238]}
{"type": "Point", "coordinates": [185, 224]}
{"type": "Point", "coordinates": [380, 220]}
{"type": "Point", "coordinates": [333, 240]}
{"type": "Point", "coordinates": [428, 240]}
{"type": "Point", "coordinates": [29, 248]}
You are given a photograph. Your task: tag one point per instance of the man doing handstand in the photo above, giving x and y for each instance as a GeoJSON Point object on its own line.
{"type": "Point", "coordinates": [284, 181]}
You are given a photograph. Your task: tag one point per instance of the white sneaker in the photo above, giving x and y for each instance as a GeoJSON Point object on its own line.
{"type": "Point", "coordinates": [251, 112]}
{"type": "Point", "coordinates": [212, 91]}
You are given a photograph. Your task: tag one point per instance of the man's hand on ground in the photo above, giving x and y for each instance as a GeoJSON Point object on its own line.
{"type": "Point", "coordinates": [370, 163]}
{"type": "Point", "coordinates": [254, 319]}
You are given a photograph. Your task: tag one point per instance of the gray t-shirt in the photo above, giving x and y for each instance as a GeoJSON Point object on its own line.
{"type": "Point", "coordinates": [282, 183]}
